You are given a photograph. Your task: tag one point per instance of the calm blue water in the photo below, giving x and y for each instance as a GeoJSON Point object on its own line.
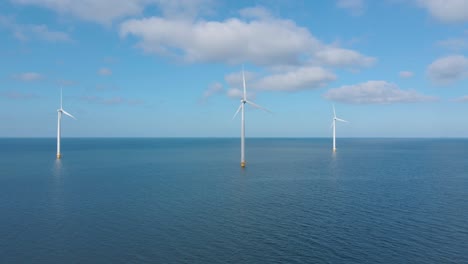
{"type": "Point", "coordinates": [188, 201]}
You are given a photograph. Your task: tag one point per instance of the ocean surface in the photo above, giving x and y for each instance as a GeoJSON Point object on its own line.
{"type": "Point", "coordinates": [188, 201]}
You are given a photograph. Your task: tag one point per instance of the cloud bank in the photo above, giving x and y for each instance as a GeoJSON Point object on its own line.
{"type": "Point", "coordinates": [375, 92]}
{"type": "Point", "coordinates": [446, 70]}
{"type": "Point", "coordinates": [449, 11]}
{"type": "Point", "coordinates": [247, 39]}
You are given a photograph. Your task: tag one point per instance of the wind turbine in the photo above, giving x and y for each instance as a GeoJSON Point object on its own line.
{"type": "Point", "coordinates": [334, 127]}
{"type": "Point", "coordinates": [242, 109]}
{"type": "Point", "coordinates": [60, 112]}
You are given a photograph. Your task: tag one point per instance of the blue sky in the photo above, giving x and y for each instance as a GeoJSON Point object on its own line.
{"type": "Point", "coordinates": [160, 68]}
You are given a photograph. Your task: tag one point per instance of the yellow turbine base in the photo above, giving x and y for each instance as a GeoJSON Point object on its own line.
{"type": "Point", "coordinates": [243, 164]}
{"type": "Point", "coordinates": [59, 156]}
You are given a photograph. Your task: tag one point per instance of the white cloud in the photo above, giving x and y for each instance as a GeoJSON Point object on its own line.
{"type": "Point", "coordinates": [104, 72]}
{"type": "Point", "coordinates": [28, 76]}
{"type": "Point", "coordinates": [235, 93]}
{"type": "Point", "coordinates": [375, 92]}
{"type": "Point", "coordinates": [106, 11]}
{"type": "Point", "coordinates": [235, 79]}
{"type": "Point", "coordinates": [288, 80]}
{"type": "Point", "coordinates": [232, 41]}
{"type": "Point", "coordinates": [25, 32]}
{"type": "Point", "coordinates": [235, 85]}
{"type": "Point", "coordinates": [339, 57]}
{"type": "Point", "coordinates": [448, 69]}
{"type": "Point", "coordinates": [101, 11]}
{"type": "Point", "coordinates": [238, 40]}
{"type": "Point", "coordinates": [356, 7]}
{"type": "Point", "coordinates": [299, 79]}
{"type": "Point", "coordinates": [446, 10]}
{"type": "Point", "coordinates": [406, 74]}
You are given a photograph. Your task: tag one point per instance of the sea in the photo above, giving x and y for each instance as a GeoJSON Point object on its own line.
{"type": "Point", "coordinates": [187, 200]}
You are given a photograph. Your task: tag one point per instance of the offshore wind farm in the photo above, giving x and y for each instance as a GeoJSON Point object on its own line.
{"type": "Point", "coordinates": [149, 172]}
{"type": "Point", "coordinates": [172, 199]}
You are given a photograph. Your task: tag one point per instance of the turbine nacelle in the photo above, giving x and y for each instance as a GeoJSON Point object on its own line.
{"type": "Point", "coordinates": [336, 118]}
{"type": "Point", "coordinates": [60, 110]}
{"type": "Point", "coordinates": [243, 102]}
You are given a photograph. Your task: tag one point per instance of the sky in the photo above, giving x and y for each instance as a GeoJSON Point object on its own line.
{"type": "Point", "coordinates": [173, 68]}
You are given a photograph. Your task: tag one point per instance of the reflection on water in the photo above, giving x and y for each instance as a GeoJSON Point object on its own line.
{"type": "Point", "coordinates": [57, 168]}
{"type": "Point", "coordinates": [334, 173]}
{"type": "Point", "coordinates": [56, 190]}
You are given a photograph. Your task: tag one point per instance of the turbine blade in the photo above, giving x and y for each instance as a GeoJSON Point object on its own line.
{"type": "Point", "coordinates": [243, 81]}
{"type": "Point", "coordinates": [238, 109]}
{"type": "Point", "coordinates": [331, 125]}
{"type": "Point", "coordinates": [68, 114]}
{"type": "Point", "coordinates": [342, 120]}
{"type": "Point", "coordinates": [61, 98]}
{"type": "Point", "coordinates": [334, 113]}
{"type": "Point", "coordinates": [259, 107]}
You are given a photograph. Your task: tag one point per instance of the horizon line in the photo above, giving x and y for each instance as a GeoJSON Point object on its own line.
{"type": "Point", "coordinates": [234, 137]}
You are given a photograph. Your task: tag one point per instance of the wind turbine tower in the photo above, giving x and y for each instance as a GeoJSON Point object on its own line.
{"type": "Point", "coordinates": [242, 110]}
{"type": "Point", "coordinates": [60, 112]}
{"type": "Point", "coordinates": [334, 127]}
